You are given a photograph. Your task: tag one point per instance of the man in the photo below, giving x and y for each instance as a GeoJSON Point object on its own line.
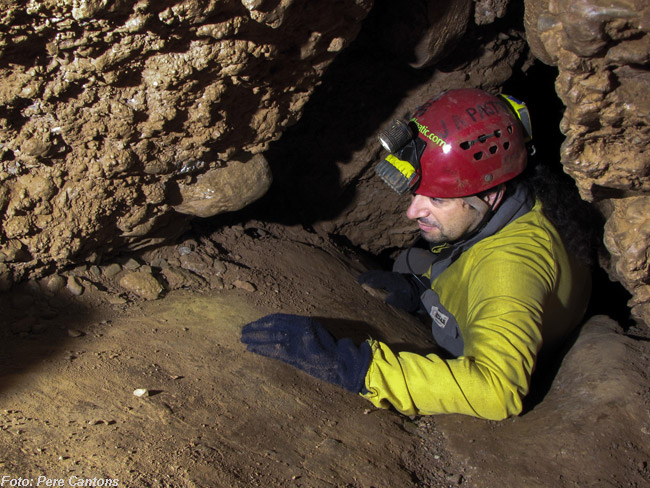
{"type": "Point", "coordinates": [500, 281]}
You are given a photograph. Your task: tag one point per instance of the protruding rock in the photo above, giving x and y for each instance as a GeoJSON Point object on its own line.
{"type": "Point", "coordinates": [225, 189]}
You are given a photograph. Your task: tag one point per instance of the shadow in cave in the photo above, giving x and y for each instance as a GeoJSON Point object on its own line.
{"type": "Point", "coordinates": [360, 331]}
{"type": "Point", "coordinates": [36, 327]}
{"type": "Point", "coordinates": [359, 90]}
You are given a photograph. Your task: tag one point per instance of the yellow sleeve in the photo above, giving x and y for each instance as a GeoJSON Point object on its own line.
{"type": "Point", "coordinates": [498, 301]}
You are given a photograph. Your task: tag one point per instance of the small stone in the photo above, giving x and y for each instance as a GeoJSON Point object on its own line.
{"type": "Point", "coordinates": [112, 270]}
{"type": "Point", "coordinates": [177, 277]}
{"type": "Point", "coordinates": [196, 263]}
{"type": "Point", "coordinates": [244, 285]}
{"type": "Point", "coordinates": [131, 264]}
{"type": "Point", "coordinates": [80, 270]}
{"type": "Point", "coordinates": [55, 283]}
{"type": "Point", "coordinates": [100, 422]}
{"type": "Point", "coordinates": [380, 294]}
{"type": "Point", "coordinates": [116, 300]}
{"type": "Point", "coordinates": [217, 284]}
{"type": "Point", "coordinates": [141, 392]}
{"type": "Point", "coordinates": [75, 333]}
{"type": "Point", "coordinates": [225, 189]}
{"type": "Point", "coordinates": [145, 285]}
{"type": "Point", "coordinates": [145, 268]}
{"type": "Point", "coordinates": [74, 286]}
{"type": "Point", "coordinates": [95, 272]}
{"type": "Point", "coordinates": [410, 426]}
{"type": "Point", "coordinates": [218, 267]}
{"type": "Point", "coordinates": [184, 250]}
{"type": "Point", "coordinates": [159, 263]}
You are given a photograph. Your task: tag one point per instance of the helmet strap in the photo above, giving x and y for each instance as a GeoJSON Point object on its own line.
{"type": "Point", "coordinates": [482, 205]}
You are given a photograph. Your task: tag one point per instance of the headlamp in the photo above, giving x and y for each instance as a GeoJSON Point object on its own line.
{"type": "Point", "coordinates": [401, 169]}
{"type": "Point", "coordinates": [397, 135]}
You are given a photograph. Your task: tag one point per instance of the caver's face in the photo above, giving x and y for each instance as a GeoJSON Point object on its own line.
{"type": "Point", "coordinates": [444, 220]}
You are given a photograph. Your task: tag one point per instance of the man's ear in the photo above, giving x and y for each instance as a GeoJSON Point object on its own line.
{"type": "Point", "coordinates": [494, 198]}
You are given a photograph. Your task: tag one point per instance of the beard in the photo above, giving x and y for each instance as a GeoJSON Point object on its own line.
{"type": "Point", "coordinates": [434, 236]}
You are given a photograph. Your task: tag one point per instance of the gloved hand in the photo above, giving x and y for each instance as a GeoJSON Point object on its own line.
{"type": "Point", "coordinates": [403, 290]}
{"type": "Point", "coordinates": [305, 344]}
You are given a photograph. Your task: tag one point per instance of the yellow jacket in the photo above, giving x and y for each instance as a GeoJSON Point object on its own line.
{"type": "Point", "coordinates": [508, 293]}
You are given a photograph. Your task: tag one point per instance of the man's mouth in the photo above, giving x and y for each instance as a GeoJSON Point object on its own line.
{"type": "Point", "coordinates": [426, 225]}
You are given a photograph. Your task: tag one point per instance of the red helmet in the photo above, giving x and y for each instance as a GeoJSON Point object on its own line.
{"type": "Point", "coordinates": [474, 142]}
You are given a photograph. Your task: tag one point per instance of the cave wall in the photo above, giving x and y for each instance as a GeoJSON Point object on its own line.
{"type": "Point", "coordinates": [397, 61]}
{"type": "Point", "coordinates": [602, 51]}
{"type": "Point", "coordinates": [122, 120]}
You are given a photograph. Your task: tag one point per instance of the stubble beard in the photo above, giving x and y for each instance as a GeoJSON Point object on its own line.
{"type": "Point", "coordinates": [439, 238]}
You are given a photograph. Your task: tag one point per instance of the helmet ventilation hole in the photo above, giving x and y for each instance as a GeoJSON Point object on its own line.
{"type": "Point", "coordinates": [465, 145]}
{"type": "Point", "coordinates": [509, 129]}
{"type": "Point", "coordinates": [478, 155]}
{"type": "Point", "coordinates": [493, 149]}
{"type": "Point", "coordinates": [506, 145]}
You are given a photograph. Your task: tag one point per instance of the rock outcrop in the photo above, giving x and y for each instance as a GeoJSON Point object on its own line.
{"type": "Point", "coordinates": [121, 120]}
{"type": "Point", "coordinates": [602, 51]}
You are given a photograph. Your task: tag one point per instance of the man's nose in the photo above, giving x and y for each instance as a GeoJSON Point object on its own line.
{"type": "Point", "coordinates": [417, 208]}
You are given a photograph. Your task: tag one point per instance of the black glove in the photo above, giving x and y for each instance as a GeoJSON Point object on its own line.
{"type": "Point", "coordinates": [305, 344]}
{"type": "Point", "coordinates": [403, 290]}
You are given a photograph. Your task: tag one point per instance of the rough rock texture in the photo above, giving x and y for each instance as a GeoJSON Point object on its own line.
{"type": "Point", "coordinates": [121, 121]}
{"type": "Point", "coordinates": [602, 50]}
{"type": "Point", "coordinates": [365, 90]}
{"type": "Point", "coordinates": [217, 415]}
{"type": "Point", "coordinates": [115, 115]}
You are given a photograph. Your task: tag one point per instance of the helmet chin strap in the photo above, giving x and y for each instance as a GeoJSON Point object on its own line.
{"type": "Point", "coordinates": [480, 205]}
{"type": "Point", "coordinates": [475, 202]}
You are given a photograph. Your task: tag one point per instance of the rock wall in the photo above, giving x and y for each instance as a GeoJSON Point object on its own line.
{"type": "Point", "coordinates": [602, 51]}
{"type": "Point", "coordinates": [122, 121]}
{"type": "Point", "coordinates": [119, 118]}
{"type": "Point", "coordinates": [483, 48]}
{"type": "Point", "coordinates": [402, 56]}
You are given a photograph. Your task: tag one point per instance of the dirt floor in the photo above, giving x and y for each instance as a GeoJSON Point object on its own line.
{"type": "Point", "coordinates": [77, 348]}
